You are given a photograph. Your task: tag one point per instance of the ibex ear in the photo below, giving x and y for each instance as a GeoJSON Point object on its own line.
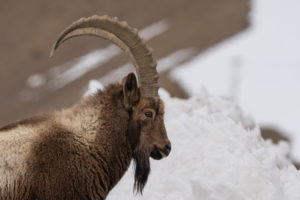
{"type": "Point", "coordinates": [131, 91]}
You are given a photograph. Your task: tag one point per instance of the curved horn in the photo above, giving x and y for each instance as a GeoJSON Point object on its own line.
{"type": "Point", "coordinates": [126, 38]}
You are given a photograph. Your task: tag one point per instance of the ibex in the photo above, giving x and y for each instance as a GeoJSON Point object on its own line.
{"type": "Point", "coordinates": [82, 152]}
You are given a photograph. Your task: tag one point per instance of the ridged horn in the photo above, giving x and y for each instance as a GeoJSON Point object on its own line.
{"type": "Point", "coordinates": [126, 38]}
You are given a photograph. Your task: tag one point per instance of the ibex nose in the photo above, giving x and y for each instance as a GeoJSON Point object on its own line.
{"type": "Point", "coordinates": [167, 149]}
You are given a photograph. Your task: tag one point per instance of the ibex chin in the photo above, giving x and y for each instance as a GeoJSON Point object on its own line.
{"type": "Point", "coordinates": [82, 152]}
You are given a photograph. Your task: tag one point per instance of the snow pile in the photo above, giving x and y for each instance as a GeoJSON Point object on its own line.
{"type": "Point", "coordinates": [258, 68]}
{"type": "Point", "coordinates": [217, 153]}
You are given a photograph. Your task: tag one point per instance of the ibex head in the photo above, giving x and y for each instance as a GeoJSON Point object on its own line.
{"type": "Point", "coordinates": [146, 129]}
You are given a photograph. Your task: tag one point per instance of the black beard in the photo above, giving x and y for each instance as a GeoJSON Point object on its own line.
{"type": "Point", "coordinates": [142, 168]}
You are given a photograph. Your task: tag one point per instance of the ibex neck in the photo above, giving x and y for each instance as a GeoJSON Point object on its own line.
{"type": "Point", "coordinates": [108, 123]}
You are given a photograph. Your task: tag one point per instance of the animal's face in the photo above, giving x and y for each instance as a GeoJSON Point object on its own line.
{"type": "Point", "coordinates": [149, 115]}
{"type": "Point", "coordinates": [147, 118]}
{"type": "Point", "coordinates": [146, 130]}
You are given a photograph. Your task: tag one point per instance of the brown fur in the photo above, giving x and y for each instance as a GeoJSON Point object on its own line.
{"type": "Point", "coordinates": [82, 153]}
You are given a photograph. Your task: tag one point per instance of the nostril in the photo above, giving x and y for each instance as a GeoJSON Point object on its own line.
{"type": "Point", "coordinates": [168, 147]}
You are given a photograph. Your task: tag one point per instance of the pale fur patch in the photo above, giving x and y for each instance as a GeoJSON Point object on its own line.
{"type": "Point", "coordinates": [15, 146]}
{"type": "Point", "coordinates": [84, 124]}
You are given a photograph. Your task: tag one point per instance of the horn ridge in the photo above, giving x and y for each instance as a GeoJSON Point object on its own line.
{"type": "Point", "coordinates": [127, 38]}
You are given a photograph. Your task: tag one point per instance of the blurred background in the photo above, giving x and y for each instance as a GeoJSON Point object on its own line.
{"type": "Point", "coordinates": [244, 50]}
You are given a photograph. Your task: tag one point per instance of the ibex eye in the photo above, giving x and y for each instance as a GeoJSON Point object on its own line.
{"type": "Point", "coordinates": [148, 114]}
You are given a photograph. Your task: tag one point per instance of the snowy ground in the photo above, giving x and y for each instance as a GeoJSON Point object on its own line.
{"type": "Point", "coordinates": [259, 68]}
{"type": "Point", "coordinates": [217, 154]}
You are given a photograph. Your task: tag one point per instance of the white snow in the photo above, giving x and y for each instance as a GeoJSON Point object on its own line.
{"type": "Point", "coordinates": [174, 59]}
{"type": "Point", "coordinates": [94, 86]}
{"type": "Point", "coordinates": [259, 68]}
{"type": "Point", "coordinates": [217, 154]}
{"type": "Point", "coordinates": [154, 29]}
{"type": "Point", "coordinates": [36, 80]}
{"type": "Point", "coordinates": [84, 65]}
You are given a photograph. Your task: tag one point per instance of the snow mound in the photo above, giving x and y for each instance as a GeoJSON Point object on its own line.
{"type": "Point", "coordinates": [217, 154]}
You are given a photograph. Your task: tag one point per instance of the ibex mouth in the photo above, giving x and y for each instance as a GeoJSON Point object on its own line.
{"type": "Point", "coordinates": [158, 154]}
